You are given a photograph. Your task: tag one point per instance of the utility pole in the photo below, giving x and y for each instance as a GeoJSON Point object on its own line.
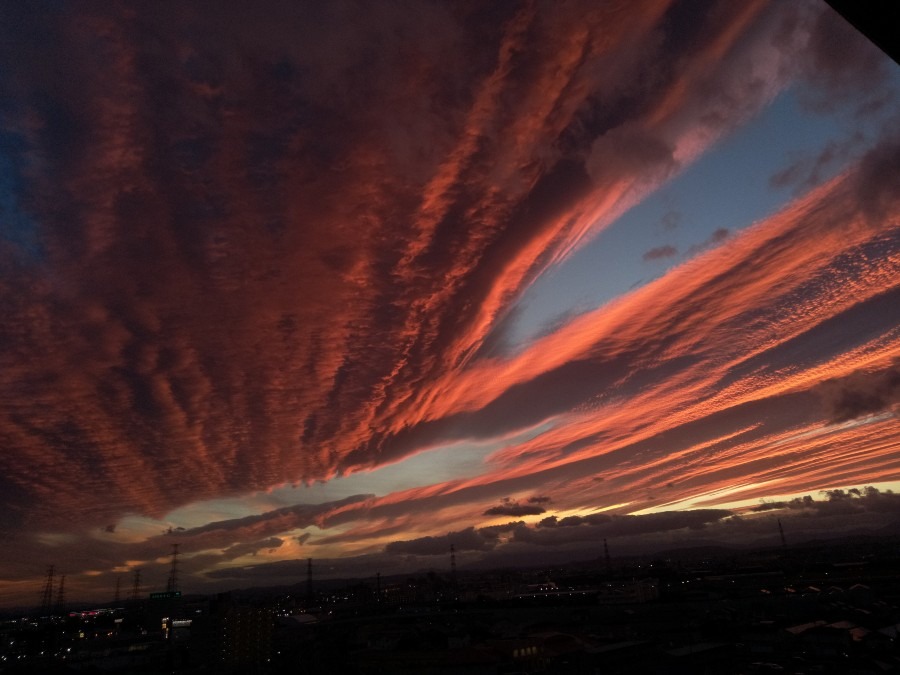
{"type": "Point", "coordinates": [606, 557]}
{"type": "Point", "coordinates": [309, 586]}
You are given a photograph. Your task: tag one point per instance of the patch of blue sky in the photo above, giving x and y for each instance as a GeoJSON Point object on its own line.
{"type": "Point", "coordinates": [17, 227]}
{"type": "Point", "coordinates": [727, 189]}
{"type": "Point", "coordinates": [445, 463]}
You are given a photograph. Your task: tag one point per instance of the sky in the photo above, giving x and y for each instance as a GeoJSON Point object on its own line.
{"type": "Point", "coordinates": [362, 281]}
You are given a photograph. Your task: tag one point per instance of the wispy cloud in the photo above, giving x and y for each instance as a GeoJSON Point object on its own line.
{"type": "Point", "coordinates": [276, 250]}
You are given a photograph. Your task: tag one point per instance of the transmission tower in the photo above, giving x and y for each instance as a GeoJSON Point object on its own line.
{"type": "Point", "coordinates": [453, 564]}
{"type": "Point", "coordinates": [309, 586]}
{"type": "Point", "coordinates": [136, 586]}
{"type": "Point", "coordinates": [61, 595]}
{"type": "Point", "coordinates": [47, 598]}
{"type": "Point", "coordinates": [781, 532]}
{"type": "Point", "coordinates": [606, 557]}
{"type": "Point", "coordinates": [172, 584]}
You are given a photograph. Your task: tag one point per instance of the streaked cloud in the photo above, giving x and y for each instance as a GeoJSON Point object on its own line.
{"type": "Point", "coordinates": [244, 250]}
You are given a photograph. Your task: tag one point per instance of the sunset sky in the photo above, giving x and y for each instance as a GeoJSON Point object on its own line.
{"type": "Point", "coordinates": [354, 281]}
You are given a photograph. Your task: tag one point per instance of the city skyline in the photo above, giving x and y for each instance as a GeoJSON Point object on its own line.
{"type": "Point", "coordinates": [363, 281]}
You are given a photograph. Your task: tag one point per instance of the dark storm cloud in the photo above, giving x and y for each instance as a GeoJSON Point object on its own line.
{"type": "Point", "coordinates": [837, 502]}
{"type": "Point", "coordinates": [717, 237]}
{"type": "Point", "coordinates": [808, 172]}
{"type": "Point", "coordinates": [862, 393]}
{"type": "Point", "coordinates": [469, 539]}
{"type": "Point", "coordinates": [571, 521]}
{"type": "Point", "coordinates": [671, 220]}
{"type": "Point", "coordinates": [515, 509]}
{"type": "Point", "coordinates": [660, 252]}
{"type": "Point", "coordinates": [597, 526]}
{"type": "Point", "coordinates": [494, 531]}
{"type": "Point", "coordinates": [565, 531]}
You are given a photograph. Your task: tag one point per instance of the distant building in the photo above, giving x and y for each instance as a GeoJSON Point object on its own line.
{"type": "Point", "coordinates": [237, 638]}
{"type": "Point", "coordinates": [627, 592]}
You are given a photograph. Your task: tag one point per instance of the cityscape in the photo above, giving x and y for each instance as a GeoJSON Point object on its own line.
{"type": "Point", "coordinates": [821, 607]}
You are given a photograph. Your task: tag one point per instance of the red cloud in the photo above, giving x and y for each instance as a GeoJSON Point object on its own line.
{"type": "Point", "coordinates": [268, 251]}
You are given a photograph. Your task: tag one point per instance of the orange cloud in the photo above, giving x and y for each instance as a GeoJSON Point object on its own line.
{"type": "Point", "coordinates": [277, 250]}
